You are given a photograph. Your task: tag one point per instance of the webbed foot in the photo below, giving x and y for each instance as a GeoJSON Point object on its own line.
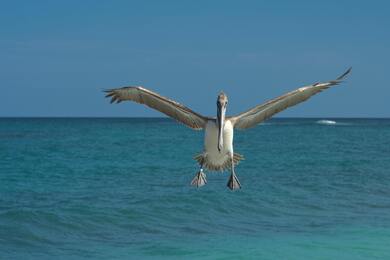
{"type": "Point", "coordinates": [199, 180]}
{"type": "Point", "coordinates": [233, 182]}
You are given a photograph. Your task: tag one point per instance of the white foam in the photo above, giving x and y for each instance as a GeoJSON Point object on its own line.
{"type": "Point", "coordinates": [326, 122]}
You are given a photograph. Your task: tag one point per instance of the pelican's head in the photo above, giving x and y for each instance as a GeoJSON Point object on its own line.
{"type": "Point", "coordinates": [222, 101]}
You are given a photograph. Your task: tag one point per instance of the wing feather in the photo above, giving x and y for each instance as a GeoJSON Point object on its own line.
{"type": "Point", "coordinates": [264, 111]}
{"type": "Point", "coordinates": [165, 105]}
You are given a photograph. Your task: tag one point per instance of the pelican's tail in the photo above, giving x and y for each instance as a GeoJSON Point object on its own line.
{"type": "Point", "coordinates": [205, 163]}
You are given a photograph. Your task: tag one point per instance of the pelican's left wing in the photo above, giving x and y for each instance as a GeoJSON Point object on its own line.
{"type": "Point", "coordinates": [262, 112]}
{"type": "Point", "coordinates": [164, 105]}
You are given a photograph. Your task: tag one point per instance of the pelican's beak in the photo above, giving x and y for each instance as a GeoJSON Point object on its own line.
{"type": "Point", "coordinates": [221, 110]}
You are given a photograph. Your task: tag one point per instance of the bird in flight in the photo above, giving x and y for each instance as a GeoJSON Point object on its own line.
{"type": "Point", "coordinates": [218, 154]}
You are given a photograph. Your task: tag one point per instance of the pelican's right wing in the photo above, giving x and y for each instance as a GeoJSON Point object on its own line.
{"type": "Point", "coordinates": [262, 112]}
{"type": "Point", "coordinates": [160, 103]}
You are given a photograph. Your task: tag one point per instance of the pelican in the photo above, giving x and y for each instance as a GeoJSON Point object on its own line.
{"type": "Point", "coordinates": [218, 154]}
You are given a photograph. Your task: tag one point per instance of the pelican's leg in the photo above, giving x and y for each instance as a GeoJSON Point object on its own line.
{"type": "Point", "coordinates": [199, 179]}
{"type": "Point", "coordinates": [233, 182]}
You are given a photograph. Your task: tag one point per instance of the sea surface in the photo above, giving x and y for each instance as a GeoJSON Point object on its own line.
{"type": "Point", "coordinates": [119, 188]}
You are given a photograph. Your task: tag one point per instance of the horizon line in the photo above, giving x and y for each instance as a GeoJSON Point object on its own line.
{"type": "Point", "coordinates": [162, 117]}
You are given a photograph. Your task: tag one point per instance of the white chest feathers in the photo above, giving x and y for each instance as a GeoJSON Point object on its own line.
{"type": "Point", "coordinates": [211, 138]}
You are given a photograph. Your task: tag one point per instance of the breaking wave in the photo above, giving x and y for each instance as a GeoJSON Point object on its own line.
{"type": "Point", "coordinates": [326, 122]}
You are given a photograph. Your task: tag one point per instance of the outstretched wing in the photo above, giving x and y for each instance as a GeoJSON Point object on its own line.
{"type": "Point", "coordinates": [164, 105]}
{"type": "Point", "coordinates": [262, 112]}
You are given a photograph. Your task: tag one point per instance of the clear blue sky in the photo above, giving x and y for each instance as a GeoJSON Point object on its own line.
{"type": "Point", "coordinates": [57, 56]}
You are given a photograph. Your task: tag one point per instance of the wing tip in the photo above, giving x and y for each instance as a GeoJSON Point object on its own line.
{"type": "Point", "coordinates": [110, 93]}
{"type": "Point", "coordinates": [344, 74]}
{"type": "Point", "coordinates": [115, 93]}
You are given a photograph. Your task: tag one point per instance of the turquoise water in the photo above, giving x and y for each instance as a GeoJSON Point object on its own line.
{"type": "Point", "coordinates": [119, 189]}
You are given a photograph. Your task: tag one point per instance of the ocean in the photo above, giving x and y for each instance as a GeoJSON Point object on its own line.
{"type": "Point", "coordinates": [119, 188]}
